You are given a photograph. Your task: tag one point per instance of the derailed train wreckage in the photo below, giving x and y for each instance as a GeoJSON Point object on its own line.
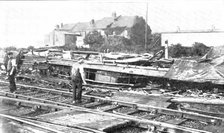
{"type": "Point", "coordinates": [98, 68]}
{"type": "Point", "coordinates": [202, 78]}
{"type": "Point", "coordinates": [127, 70]}
{"type": "Point", "coordinates": [122, 72]}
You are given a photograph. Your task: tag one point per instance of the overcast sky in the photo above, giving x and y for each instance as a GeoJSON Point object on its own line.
{"type": "Point", "coordinates": [24, 23]}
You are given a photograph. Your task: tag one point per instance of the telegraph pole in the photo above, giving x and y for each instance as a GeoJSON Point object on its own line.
{"type": "Point", "coordinates": [146, 26]}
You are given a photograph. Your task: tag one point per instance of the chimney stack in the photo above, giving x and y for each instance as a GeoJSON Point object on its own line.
{"type": "Point", "coordinates": [62, 25]}
{"type": "Point", "coordinates": [57, 27]}
{"type": "Point", "coordinates": [92, 22]}
{"type": "Point", "coordinates": [114, 15]}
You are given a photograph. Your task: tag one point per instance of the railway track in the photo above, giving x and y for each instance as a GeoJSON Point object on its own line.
{"type": "Point", "coordinates": [155, 118]}
{"type": "Point", "coordinates": [28, 123]}
{"type": "Point", "coordinates": [22, 116]}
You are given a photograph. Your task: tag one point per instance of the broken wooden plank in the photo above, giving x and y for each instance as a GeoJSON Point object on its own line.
{"type": "Point", "coordinates": [110, 83]}
{"type": "Point", "coordinates": [77, 118]}
{"type": "Point", "coordinates": [127, 66]}
{"type": "Point", "coordinates": [129, 69]}
{"type": "Point", "coordinates": [101, 87]}
{"type": "Point", "coordinates": [146, 71]}
{"type": "Point", "coordinates": [198, 101]}
{"type": "Point", "coordinates": [203, 112]}
{"type": "Point", "coordinates": [85, 52]}
{"type": "Point", "coordinates": [153, 100]}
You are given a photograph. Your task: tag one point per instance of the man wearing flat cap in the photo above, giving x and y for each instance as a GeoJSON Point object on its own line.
{"type": "Point", "coordinates": [77, 78]}
{"type": "Point", "coordinates": [11, 72]}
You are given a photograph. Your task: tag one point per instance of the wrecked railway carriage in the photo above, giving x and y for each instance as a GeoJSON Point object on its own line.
{"type": "Point", "coordinates": [97, 72]}
{"type": "Point", "coordinates": [123, 71]}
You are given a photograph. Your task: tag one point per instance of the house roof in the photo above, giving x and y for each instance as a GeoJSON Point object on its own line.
{"type": "Point", "coordinates": [125, 21]}
{"type": "Point", "coordinates": [120, 21]}
{"type": "Point", "coordinates": [67, 27]}
{"type": "Point", "coordinates": [106, 22]}
{"type": "Point", "coordinates": [81, 26]}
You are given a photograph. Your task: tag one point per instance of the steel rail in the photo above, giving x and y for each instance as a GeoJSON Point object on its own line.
{"type": "Point", "coordinates": [29, 123]}
{"type": "Point", "coordinates": [34, 102]}
{"type": "Point", "coordinates": [38, 122]}
{"type": "Point", "coordinates": [73, 126]}
{"type": "Point", "coordinates": [139, 106]}
{"type": "Point", "coordinates": [127, 117]}
{"type": "Point", "coordinates": [52, 106]}
{"type": "Point", "coordinates": [188, 115]}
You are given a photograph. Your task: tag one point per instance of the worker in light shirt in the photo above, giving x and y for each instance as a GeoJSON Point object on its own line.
{"type": "Point", "coordinates": [77, 79]}
{"type": "Point", "coordinates": [11, 72]}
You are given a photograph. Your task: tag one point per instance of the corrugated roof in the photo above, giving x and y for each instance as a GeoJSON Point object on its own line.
{"type": "Point", "coordinates": [215, 52]}
{"type": "Point", "coordinates": [196, 72]}
{"type": "Point", "coordinates": [207, 71]}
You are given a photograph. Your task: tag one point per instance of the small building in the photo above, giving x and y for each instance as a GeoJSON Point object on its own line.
{"type": "Point", "coordinates": [188, 38]}
{"type": "Point", "coordinates": [60, 37]}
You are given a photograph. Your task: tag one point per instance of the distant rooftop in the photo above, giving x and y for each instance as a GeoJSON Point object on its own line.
{"type": "Point", "coordinates": [67, 26]}
{"type": "Point", "coordinates": [106, 22]}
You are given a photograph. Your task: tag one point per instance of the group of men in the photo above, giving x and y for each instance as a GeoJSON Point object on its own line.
{"type": "Point", "coordinates": [77, 75]}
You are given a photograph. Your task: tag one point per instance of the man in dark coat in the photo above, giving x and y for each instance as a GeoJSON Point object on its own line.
{"type": "Point", "coordinates": [19, 59]}
{"type": "Point", "coordinates": [77, 78]}
{"type": "Point", "coordinates": [6, 59]}
{"type": "Point", "coordinates": [11, 72]}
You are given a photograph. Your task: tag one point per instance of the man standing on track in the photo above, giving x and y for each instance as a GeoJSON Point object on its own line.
{"type": "Point", "coordinates": [11, 72]}
{"type": "Point", "coordinates": [77, 78]}
{"type": "Point", "coordinates": [6, 59]}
